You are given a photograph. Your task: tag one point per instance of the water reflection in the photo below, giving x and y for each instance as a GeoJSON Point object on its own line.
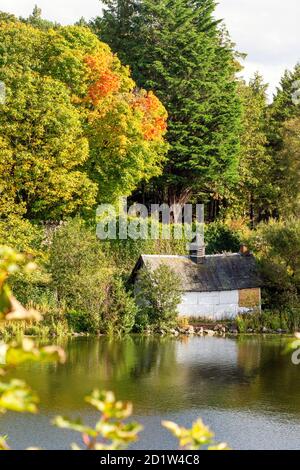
{"type": "Point", "coordinates": [165, 377]}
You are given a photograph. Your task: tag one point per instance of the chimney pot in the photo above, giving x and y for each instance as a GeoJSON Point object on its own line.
{"type": "Point", "coordinates": [244, 250]}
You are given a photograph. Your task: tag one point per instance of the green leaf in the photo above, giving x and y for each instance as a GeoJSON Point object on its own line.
{"type": "Point", "coordinates": [17, 396]}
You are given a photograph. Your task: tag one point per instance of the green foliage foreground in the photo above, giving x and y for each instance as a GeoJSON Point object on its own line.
{"type": "Point", "coordinates": [110, 431]}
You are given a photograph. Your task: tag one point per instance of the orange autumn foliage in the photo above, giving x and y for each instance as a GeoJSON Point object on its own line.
{"type": "Point", "coordinates": [104, 81]}
{"type": "Point", "coordinates": [154, 122]}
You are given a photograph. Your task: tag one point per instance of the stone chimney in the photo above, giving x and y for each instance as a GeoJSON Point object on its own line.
{"type": "Point", "coordinates": [197, 249]}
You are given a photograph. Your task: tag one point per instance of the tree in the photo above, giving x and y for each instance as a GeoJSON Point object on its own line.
{"type": "Point", "coordinates": [288, 173]}
{"type": "Point", "coordinates": [119, 310]}
{"type": "Point", "coordinates": [178, 49]}
{"type": "Point", "coordinates": [283, 116]}
{"type": "Point", "coordinates": [36, 20]}
{"type": "Point", "coordinates": [277, 247]}
{"type": "Point", "coordinates": [80, 272]}
{"type": "Point", "coordinates": [285, 106]}
{"type": "Point", "coordinates": [254, 195]}
{"type": "Point", "coordinates": [75, 130]}
{"type": "Point", "coordinates": [158, 294]}
{"type": "Point", "coordinates": [7, 17]}
{"type": "Point", "coordinates": [42, 148]}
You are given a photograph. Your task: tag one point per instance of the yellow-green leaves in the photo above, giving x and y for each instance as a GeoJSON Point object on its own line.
{"type": "Point", "coordinates": [197, 437]}
{"type": "Point", "coordinates": [28, 351]}
{"type": "Point", "coordinates": [3, 443]}
{"type": "Point", "coordinates": [17, 396]}
{"type": "Point", "coordinates": [110, 432]}
{"type": "Point", "coordinates": [44, 147]}
{"type": "Point", "coordinates": [70, 127]}
{"type": "Point", "coordinates": [106, 403]}
{"type": "Point", "coordinates": [10, 308]}
{"type": "Point", "coordinates": [293, 345]}
{"type": "Point", "coordinates": [74, 425]}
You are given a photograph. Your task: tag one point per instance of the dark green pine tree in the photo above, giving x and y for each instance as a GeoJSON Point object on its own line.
{"type": "Point", "coordinates": [178, 49]}
{"type": "Point", "coordinates": [285, 106]}
{"type": "Point", "coordinates": [117, 27]}
{"type": "Point", "coordinates": [283, 138]}
{"type": "Point", "coordinates": [287, 98]}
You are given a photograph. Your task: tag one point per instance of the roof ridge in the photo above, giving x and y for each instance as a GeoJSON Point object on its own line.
{"type": "Point", "coordinates": [225, 255]}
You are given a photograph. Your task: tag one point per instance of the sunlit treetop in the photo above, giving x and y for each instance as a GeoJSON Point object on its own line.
{"type": "Point", "coordinates": [74, 129]}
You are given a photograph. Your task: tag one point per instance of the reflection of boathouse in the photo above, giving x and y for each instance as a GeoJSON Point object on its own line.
{"type": "Point", "coordinates": [223, 359]}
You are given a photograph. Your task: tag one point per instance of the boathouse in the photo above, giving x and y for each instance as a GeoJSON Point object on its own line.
{"type": "Point", "coordinates": [214, 286]}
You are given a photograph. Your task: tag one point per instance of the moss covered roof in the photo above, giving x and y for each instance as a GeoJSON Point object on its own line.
{"type": "Point", "coordinates": [215, 273]}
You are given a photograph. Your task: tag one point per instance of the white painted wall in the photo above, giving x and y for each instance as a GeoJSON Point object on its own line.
{"type": "Point", "coordinates": [212, 305]}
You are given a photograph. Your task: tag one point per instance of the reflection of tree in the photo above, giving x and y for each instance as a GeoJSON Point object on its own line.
{"type": "Point", "coordinates": [128, 366]}
{"type": "Point", "coordinates": [249, 353]}
{"type": "Point", "coordinates": [277, 384]}
{"type": "Point", "coordinates": [262, 378]}
{"type": "Point", "coordinates": [164, 375]}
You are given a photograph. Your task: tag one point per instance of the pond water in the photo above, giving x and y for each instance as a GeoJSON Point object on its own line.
{"type": "Point", "coordinates": [244, 388]}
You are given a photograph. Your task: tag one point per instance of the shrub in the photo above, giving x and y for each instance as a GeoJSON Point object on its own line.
{"type": "Point", "coordinates": [125, 253]}
{"type": "Point", "coordinates": [184, 322]}
{"type": "Point", "coordinates": [158, 294]}
{"type": "Point", "coordinates": [221, 238]}
{"type": "Point", "coordinates": [119, 310]}
{"type": "Point", "coordinates": [29, 239]}
{"type": "Point", "coordinates": [78, 321]}
{"type": "Point", "coordinates": [286, 320]}
{"type": "Point", "coordinates": [80, 271]}
{"type": "Point", "coordinates": [277, 246]}
{"type": "Point", "coordinates": [22, 235]}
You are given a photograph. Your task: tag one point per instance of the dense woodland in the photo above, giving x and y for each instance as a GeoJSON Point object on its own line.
{"type": "Point", "coordinates": [145, 101]}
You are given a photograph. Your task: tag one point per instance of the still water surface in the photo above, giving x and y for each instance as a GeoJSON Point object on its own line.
{"type": "Point", "coordinates": [244, 388]}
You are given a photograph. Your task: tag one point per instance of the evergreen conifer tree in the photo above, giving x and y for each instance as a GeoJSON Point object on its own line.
{"type": "Point", "coordinates": [178, 49]}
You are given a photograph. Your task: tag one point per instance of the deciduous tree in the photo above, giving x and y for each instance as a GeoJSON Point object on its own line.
{"type": "Point", "coordinates": [74, 127]}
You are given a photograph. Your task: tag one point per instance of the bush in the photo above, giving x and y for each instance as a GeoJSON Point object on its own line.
{"type": "Point", "coordinates": [277, 246]}
{"type": "Point", "coordinates": [286, 320]}
{"type": "Point", "coordinates": [158, 294]}
{"type": "Point", "coordinates": [22, 235]}
{"type": "Point", "coordinates": [29, 239]}
{"type": "Point", "coordinates": [120, 309]}
{"type": "Point", "coordinates": [125, 253]}
{"type": "Point", "coordinates": [80, 271]}
{"type": "Point", "coordinates": [221, 238]}
{"type": "Point", "coordinates": [78, 322]}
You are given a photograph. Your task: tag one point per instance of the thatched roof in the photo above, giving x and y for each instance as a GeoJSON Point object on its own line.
{"type": "Point", "coordinates": [215, 273]}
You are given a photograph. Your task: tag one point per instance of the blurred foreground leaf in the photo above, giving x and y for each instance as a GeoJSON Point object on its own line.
{"type": "Point", "coordinates": [17, 396]}
{"type": "Point", "coordinates": [110, 432]}
{"type": "Point", "coordinates": [197, 437]}
{"type": "Point", "coordinates": [28, 351]}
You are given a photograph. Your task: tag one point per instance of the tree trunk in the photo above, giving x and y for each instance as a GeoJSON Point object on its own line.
{"type": "Point", "coordinates": [179, 199]}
